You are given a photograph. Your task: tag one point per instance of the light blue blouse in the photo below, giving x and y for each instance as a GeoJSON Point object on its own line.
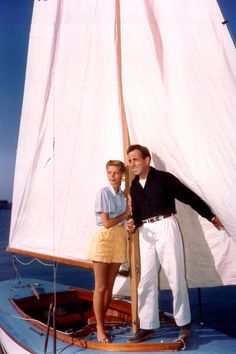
{"type": "Point", "coordinates": [108, 201]}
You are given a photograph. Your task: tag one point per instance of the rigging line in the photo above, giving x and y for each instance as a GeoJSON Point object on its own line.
{"type": "Point", "coordinates": [5, 313]}
{"type": "Point", "coordinates": [53, 304]}
{"type": "Point", "coordinates": [17, 274]}
{"type": "Point", "coordinates": [63, 349]}
{"type": "Point", "coordinates": [181, 340]}
{"type": "Point", "coordinates": [22, 318]}
{"type": "Point", "coordinates": [54, 311]}
{"type": "Point", "coordinates": [58, 10]}
{"type": "Point", "coordinates": [33, 260]}
{"type": "Point", "coordinates": [48, 328]}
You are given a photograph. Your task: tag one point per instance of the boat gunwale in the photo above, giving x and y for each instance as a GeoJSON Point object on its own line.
{"type": "Point", "coordinates": [93, 345]}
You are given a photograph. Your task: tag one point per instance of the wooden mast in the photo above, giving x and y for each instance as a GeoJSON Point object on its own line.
{"type": "Point", "coordinates": [133, 237]}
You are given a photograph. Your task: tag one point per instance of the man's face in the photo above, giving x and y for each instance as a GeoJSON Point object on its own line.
{"type": "Point", "coordinates": [138, 164]}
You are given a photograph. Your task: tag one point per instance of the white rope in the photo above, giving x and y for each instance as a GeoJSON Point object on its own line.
{"type": "Point", "coordinates": [32, 260]}
{"type": "Point", "coordinates": [183, 342]}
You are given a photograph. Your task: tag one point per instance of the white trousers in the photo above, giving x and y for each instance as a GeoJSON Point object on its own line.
{"type": "Point", "coordinates": [161, 245]}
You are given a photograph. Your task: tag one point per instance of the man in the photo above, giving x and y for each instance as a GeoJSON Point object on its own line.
{"type": "Point", "coordinates": [153, 195]}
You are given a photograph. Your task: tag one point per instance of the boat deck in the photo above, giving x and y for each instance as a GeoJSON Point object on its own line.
{"type": "Point", "coordinates": [204, 340]}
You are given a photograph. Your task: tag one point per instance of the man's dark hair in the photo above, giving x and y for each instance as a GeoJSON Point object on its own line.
{"type": "Point", "coordinates": [143, 149]}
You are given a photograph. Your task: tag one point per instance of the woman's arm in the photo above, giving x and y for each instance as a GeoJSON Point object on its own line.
{"type": "Point", "coordinates": [107, 222]}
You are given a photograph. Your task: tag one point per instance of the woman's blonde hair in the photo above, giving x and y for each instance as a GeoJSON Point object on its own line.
{"type": "Point", "coordinates": [117, 163]}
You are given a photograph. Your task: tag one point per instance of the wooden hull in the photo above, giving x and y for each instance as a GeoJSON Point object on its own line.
{"type": "Point", "coordinates": [74, 320]}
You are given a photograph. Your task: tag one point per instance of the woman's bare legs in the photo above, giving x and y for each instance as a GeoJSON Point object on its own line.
{"type": "Point", "coordinates": [104, 274]}
{"type": "Point", "coordinates": [111, 276]}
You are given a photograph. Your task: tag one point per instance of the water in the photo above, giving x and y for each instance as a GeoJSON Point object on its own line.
{"type": "Point", "coordinates": [65, 274]}
{"type": "Point", "coordinates": [5, 258]}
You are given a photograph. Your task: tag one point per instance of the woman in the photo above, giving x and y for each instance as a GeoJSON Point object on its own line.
{"type": "Point", "coordinates": [108, 248]}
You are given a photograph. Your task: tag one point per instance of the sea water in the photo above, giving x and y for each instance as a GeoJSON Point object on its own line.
{"type": "Point", "coordinates": [65, 274]}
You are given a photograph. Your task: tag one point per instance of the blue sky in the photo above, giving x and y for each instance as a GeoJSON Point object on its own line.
{"type": "Point", "coordinates": [15, 17]}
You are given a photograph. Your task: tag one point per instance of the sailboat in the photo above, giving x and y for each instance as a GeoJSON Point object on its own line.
{"type": "Point", "coordinates": [100, 75]}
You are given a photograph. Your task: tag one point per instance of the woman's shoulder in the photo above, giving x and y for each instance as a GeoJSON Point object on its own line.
{"type": "Point", "coordinates": [104, 191]}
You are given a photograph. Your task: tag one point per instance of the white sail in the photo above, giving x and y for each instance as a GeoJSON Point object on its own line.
{"type": "Point", "coordinates": [172, 62]}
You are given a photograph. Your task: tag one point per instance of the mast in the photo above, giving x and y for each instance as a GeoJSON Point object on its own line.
{"type": "Point", "coordinates": [133, 237]}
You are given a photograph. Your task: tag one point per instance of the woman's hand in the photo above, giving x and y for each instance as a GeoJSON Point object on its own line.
{"type": "Point", "coordinates": [129, 225]}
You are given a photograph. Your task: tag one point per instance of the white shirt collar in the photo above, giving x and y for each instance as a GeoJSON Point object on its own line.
{"type": "Point", "coordinates": [113, 190]}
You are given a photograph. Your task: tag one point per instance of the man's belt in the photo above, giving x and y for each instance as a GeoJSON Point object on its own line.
{"type": "Point", "coordinates": [156, 218]}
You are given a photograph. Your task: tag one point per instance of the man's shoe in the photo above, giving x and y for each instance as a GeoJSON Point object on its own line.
{"type": "Point", "coordinates": [141, 335]}
{"type": "Point", "coordinates": [185, 331]}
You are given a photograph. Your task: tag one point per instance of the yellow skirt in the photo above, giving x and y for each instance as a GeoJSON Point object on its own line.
{"type": "Point", "coordinates": [109, 245]}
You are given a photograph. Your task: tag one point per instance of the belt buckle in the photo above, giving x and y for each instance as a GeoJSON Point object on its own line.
{"type": "Point", "coordinates": [156, 218]}
{"type": "Point", "coordinates": [153, 219]}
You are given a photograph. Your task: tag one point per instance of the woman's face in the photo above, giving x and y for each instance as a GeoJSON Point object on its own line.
{"type": "Point", "coordinates": [114, 176]}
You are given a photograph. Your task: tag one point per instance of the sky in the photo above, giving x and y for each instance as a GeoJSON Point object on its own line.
{"type": "Point", "coordinates": [15, 18]}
